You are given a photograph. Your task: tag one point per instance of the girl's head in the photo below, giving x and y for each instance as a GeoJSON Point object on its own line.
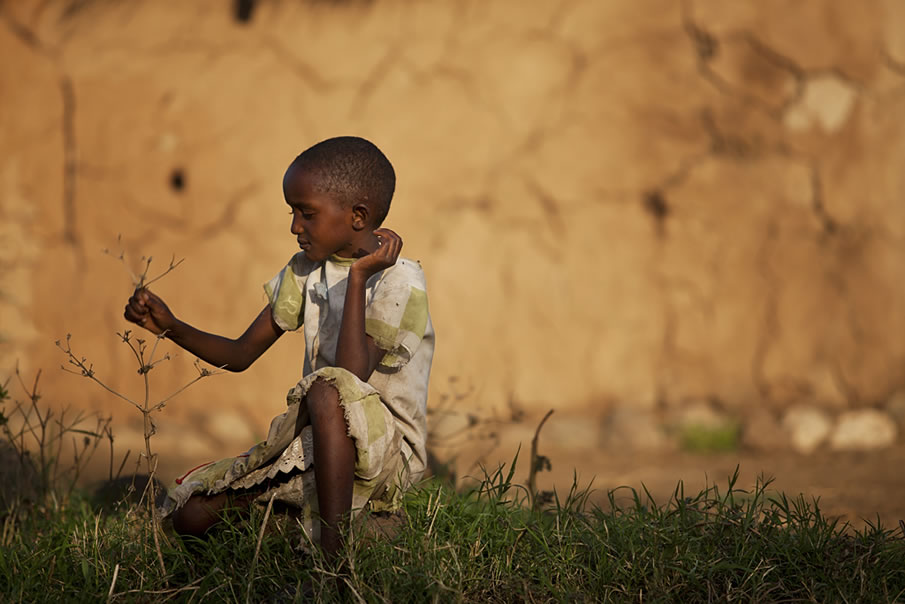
{"type": "Point", "coordinates": [339, 191]}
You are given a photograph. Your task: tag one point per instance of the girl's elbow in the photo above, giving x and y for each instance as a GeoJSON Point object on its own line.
{"type": "Point", "coordinates": [245, 361]}
{"type": "Point", "coordinates": [242, 358]}
{"type": "Point", "coordinates": [241, 365]}
{"type": "Point", "coordinates": [238, 365]}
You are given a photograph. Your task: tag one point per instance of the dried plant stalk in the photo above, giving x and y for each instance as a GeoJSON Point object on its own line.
{"type": "Point", "coordinates": [141, 280]}
{"type": "Point", "coordinates": [147, 361]}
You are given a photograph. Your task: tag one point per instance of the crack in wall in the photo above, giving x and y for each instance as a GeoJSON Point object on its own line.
{"type": "Point", "coordinates": [303, 71]}
{"type": "Point", "coordinates": [563, 9]}
{"type": "Point", "coordinates": [70, 165]}
{"type": "Point", "coordinates": [668, 349]}
{"type": "Point", "coordinates": [770, 318]}
{"type": "Point", "coordinates": [726, 88]}
{"type": "Point", "coordinates": [424, 77]}
{"type": "Point", "coordinates": [70, 147]}
{"type": "Point", "coordinates": [893, 64]}
{"type": "Point", "coordinates": [848, 249]}
{"type": "Point", "coordinates": [537, 133]}
{"type": "Point", "coordinates": [829, 225]}
{"type": "Point", "coordinates": [227, 217]}
{"type": "Point", "coordinates": [378, 74]}
{"type": "Point", "coordinates": [727, 144]}
{"type": "Point", "coordinates": [548, 204]}
{"type": "Point", "coordinates": [707, 46]}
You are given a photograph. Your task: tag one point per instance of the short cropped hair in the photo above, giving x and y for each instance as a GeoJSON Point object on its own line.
{"type": "Point", "coordinates": [352, 170]}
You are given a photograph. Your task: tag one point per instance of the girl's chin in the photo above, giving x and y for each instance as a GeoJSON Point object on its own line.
{"type": "Point", "coordinates": [314, 256]}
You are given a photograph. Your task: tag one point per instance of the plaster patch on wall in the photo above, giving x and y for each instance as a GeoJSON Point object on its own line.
{"type": "Point", "coordinates": [827, 102]}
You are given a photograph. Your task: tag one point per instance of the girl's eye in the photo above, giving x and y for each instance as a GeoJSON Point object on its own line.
{"type": "Point", "coordinates": [307, 215]}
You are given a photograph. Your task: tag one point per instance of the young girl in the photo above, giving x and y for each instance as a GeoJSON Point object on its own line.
{"type": "Point", "coordinates": [354, 431]}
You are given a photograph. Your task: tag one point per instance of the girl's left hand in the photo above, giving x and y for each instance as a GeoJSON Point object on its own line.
{"type": "Point", "coordinates": [383, 257]}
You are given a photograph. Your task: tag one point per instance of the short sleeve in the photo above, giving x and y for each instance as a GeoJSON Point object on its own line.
{"type": "Point", "coordinates": [397, 316]}
{"type": "Point", "coordinates": [285, 293]}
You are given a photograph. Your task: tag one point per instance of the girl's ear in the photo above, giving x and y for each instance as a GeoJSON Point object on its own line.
{"type": "Point", "coordinates": [361, 215]}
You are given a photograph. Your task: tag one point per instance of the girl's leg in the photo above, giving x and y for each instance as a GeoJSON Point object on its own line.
{"type": "Point", "coordinates": [334, 462]}
{"type": "Point", "coordinates": [201, 512]}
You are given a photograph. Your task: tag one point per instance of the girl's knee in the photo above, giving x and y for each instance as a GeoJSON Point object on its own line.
{"type": "Point", "coordinates": [322, 396]}
{"type": "Point", "coordinates": [198, 515]}
{"type": "Point", "coordinates": [326, 413]}
{"type": "Point", "coordinates": [322, 387]}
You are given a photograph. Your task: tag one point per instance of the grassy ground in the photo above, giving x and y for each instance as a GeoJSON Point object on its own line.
{"type": "Point", "coordinates": [496, 542]}
{"type": "Point", "coordinates": [484, 545]}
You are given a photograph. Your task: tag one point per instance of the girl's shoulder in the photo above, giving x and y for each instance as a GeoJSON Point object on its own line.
{"type": "Point", "coordinates": [301, 265]}
{"type": "Point", "coordinates": [404, 272]}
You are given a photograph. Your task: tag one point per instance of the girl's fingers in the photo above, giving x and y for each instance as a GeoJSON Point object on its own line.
{"type": "Point", "coordinates": [134, 317]}
{"type": "Point", "coordinates": [390, 244]}
{"type": "Point", "coordinates": [389, 240]}
{"type": "Point", "coordinates": [387, 234]}
{"type": "Point", "coordinates": [389, 247]}
{"type": "Point", "coordinates": [393, 249]}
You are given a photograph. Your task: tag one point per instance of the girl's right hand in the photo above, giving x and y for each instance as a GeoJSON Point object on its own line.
{"type": "Point", "coordinates": [149, 311]}
{"type": "Point", "coordinates": [383, 257]}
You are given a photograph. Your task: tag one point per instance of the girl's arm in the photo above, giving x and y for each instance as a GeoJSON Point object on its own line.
{"type": "Point", "coordinates": [149, 311]}
{"type": "Point", "coordinates": [355, 350]}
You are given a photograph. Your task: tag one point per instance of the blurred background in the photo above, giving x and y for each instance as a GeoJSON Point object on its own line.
{"type": "Point", "coordinates": [680, 225]}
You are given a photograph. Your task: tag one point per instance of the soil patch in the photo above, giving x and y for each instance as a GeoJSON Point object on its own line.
{"type": "Point", "coordinates": [855, 487]}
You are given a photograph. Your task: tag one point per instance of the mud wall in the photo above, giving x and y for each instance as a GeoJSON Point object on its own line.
{"type": "Point", "coordinates": [623, 204]}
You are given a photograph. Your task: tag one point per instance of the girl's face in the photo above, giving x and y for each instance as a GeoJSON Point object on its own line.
{"type": "Point", "coordinates": [321, 225]}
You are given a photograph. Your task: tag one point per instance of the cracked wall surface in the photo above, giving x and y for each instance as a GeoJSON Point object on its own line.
{"type": "Point", "coordinates": [634, 202]}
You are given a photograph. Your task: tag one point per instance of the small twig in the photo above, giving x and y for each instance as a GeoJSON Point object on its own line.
{"type": "Point", "coordinates": [122, 258]}
{"type": "Point", "coordinates": [354, 591]}
{"type": "Point", "coordinates": [89, 373]}
{"type": "Point", "coordinates": [109, 435]}
{"type": "Point", "coordinates": [170, 592]}
{"type": "Point", "coordinates": [203, 373]}
{"type": "Point", "coordinates": [173, 264]}
{"type": "Point", "coordinates": [140, 280]}
{"type": "Point", "coordinates": [126, 337]}
{"type": "Point", "coordinates": [536, 462]}
{"type": "Point", "coordinates": [151, 364]}
{"type": "Point", "coordinates": [123, 464]}
{"type": "Point", "coordinates": [33, 394]}
{"type": "Point", "coordinates": [254, 560]}
{"type": "Point", "coordinates": [113, 582]}
{"type": "Point", "coordinates": [88, 370]}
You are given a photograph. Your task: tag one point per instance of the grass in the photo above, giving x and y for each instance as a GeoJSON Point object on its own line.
{"type": "Point", "coordinates": [710, 439]}
{"type": "Point", "coordinates": [482, 545]}
{"type": "Point", "coordinates": [495, 542]}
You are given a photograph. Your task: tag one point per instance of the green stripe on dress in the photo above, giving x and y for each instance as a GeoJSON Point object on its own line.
{"type": "Point", "coordinates": [384, 334]}
{"type": "Point", "coordinates": [414, 319]}
{"type": "Point", "coordinates": [287, 302]}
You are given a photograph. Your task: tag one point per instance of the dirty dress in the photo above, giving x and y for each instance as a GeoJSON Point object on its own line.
{"type": "Point", "coordinates": [386, 416]}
